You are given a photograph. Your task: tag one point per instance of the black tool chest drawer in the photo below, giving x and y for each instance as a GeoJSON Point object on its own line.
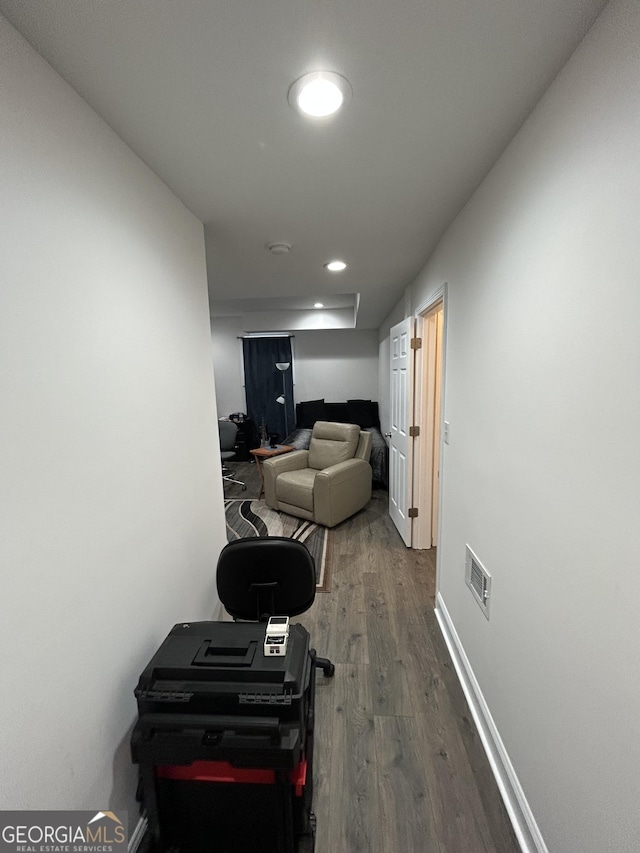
{"type": "Point", "coordinates": [224, 740]}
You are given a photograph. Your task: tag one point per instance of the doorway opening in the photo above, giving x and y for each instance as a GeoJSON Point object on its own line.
{"type": "Point", "coordinates": [428, 408]}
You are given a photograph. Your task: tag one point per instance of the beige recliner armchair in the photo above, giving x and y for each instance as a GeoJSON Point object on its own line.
{"type": "Point", "coordinates": [326, 483]}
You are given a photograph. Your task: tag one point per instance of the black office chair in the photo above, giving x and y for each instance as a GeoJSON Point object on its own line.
{"type": "Point", "coordinates": [228, 431]}
{"type": "Point", "coordinates": [265, 576]}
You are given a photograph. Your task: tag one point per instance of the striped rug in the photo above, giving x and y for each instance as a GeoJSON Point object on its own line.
{"type": "Point", "coordinates": [255, 518]}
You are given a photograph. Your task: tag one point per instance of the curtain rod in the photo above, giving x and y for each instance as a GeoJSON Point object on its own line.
{"type": "Point", "coordinates": [272, 335]}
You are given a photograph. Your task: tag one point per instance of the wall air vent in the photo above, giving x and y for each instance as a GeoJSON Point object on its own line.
{"type": "Point", "coordinates": [478, 580]}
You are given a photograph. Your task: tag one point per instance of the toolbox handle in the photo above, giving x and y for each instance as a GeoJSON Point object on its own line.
{"type": "Point", "coordinates": [212, 655]}
{"type": "Point", "coordinates": [208, 722]}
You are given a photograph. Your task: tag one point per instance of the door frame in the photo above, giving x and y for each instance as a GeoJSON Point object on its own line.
{"type": "Point", "coordinates": [423, 450]}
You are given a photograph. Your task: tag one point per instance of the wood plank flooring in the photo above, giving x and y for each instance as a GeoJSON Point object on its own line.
{"type": "Point", "coordinates": [399, 767]}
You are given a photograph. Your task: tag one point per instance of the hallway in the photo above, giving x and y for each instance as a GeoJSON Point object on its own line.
{"type": "Point", "coordinates": [399, 767]}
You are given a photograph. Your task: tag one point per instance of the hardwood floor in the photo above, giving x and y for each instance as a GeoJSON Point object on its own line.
{"type": "Point", "coordinates": [399, 767]}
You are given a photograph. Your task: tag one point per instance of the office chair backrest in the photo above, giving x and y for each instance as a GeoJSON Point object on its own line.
{"type": "Point", "coordinates": [228, 431]}
{"type": "Point", "coordinates": [264, 576]}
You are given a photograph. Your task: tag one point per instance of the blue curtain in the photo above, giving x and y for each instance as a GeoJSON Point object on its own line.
{"type": "Point", "coordinates": [264, 383]}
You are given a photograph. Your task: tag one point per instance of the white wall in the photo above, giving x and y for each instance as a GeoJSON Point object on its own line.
{"type": "Point", "coordinates": [111, 501]}
{"type": "Point", "coordinates": [542, 473]}
{"type": "Point", "coordinates": [335, 365]}
{"type": "Point", "coordinates": [227, 364]}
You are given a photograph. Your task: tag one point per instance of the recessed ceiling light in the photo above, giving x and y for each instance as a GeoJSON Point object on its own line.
{"type": "Point", "coordinates": [320, 93]}
{"type": "Point", "coordinates": [318, 304]}
{"type": "Point", "coordinates": [336, 266]}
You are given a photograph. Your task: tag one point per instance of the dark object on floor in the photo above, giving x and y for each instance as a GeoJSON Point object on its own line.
{"type": "Point", "coordinates": [247, 438]}
{"type": "Point", "coordinates": [224, 738]}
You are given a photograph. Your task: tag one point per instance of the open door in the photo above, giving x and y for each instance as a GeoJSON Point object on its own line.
{"type": "Point", "coordinates": [401, 443]}
{"type": "Point", "coordinates": [427, 409]}
{"type": "Point", "coordinates": [437, 411]}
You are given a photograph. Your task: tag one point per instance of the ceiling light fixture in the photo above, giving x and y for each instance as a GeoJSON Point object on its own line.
{"type": "Point", "coordinates": [318, 304]}
{"type": "Point", "coordinates": [319, 94]}
{"type": "Point", "coordinates": [279, 248]}
{"type": "Point", "coordinates": [336, 266]}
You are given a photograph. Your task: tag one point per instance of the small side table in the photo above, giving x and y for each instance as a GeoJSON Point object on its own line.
{"type": "Point", "coordinates": [262, 453]}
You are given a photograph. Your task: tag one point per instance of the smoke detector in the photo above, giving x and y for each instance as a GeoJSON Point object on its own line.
{"type": "Point", "coordinates": [279, 248]}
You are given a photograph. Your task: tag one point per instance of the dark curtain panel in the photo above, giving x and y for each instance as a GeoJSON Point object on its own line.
{"type": "Point", "coordinates": [264, 383]}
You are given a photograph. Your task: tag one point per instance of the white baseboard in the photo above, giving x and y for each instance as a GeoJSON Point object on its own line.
{"type": "Point", "coordinates": [522, 819]}
{"type": "Point", "coordinates": [137, 835]}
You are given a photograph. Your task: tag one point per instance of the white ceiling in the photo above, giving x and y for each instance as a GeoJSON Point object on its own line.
{"type": "Point", "coordinates": [198, 88]}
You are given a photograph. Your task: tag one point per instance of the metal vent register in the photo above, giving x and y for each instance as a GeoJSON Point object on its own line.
{"type": "Point", "coordinates": [478, 580]}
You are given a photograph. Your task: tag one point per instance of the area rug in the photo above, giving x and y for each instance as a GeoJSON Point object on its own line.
{"type": "Point", "coordinates": [255, 518]}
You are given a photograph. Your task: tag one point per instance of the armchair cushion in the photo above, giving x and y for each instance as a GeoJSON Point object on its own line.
{"type": "Point", "coordinates": [332, 443]}
{"type": "Point", "coordinates": [272, 468]}
{"type": "Point", "coordinates": [296, 488]}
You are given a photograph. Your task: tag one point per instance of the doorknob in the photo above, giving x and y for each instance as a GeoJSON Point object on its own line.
{"type": "Point", "coordinates": [387, 435]}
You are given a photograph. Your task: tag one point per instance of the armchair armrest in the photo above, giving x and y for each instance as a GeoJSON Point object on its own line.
{"type": "Point", "coordinates": [342, 472]}
{"type": "Point", "coordinates": [341, 490]}
{"type": "Point", "coordinates": [277, 465]}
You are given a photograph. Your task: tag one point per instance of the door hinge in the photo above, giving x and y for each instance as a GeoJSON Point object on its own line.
{"type": "Point", "coordinates": [413, 512]}
{"type": "Point", "coordinates": [416, 343]}
{"type": "Point", "coordinates": [414, 431]}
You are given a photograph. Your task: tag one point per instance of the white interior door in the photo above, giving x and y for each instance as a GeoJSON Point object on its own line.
{"type": "Point", "coordinates": [401, 444]}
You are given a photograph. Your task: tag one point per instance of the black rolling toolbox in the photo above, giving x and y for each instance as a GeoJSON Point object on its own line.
{"type": "Point", "coordinates": [224, 741]}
